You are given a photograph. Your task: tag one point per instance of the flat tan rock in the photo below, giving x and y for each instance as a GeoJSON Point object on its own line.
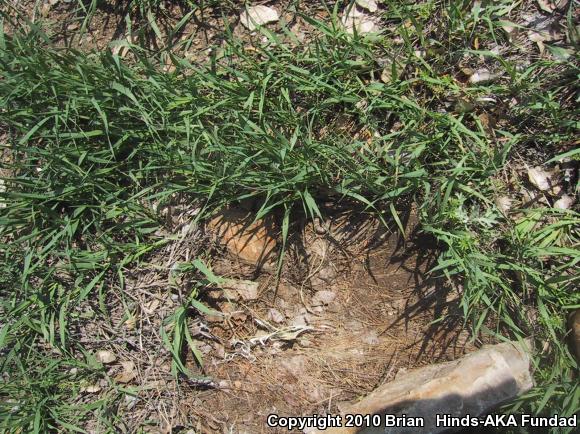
{"type": "Point", "coordinates": [251, 242]}
{"type": "Point", "coordinates": [255, 16]}
{"type": "Point", "coordinates": [355, 20]}
{"type": "Point", "coordinates": [471, 385]}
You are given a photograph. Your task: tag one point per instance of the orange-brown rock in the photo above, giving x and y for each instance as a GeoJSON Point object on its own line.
{"type": "Point", "coordinates": [251, 242]}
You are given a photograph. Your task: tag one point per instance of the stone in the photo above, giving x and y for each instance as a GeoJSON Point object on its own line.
{"type": "Point", "coordinates": [251, 242]}
{"type": "Point", "coordinates": [545, 180]}
{"type": "Point", "coordinates": [301, 320]}
{"type": "Point", "coordinates": [220, 350]}
{"type": "Point", "coordinates": [319, 226]}
{"type": "Point", "coordinates": [255, 16]}
{"type": "Point", "coordinates": [316, 282]}
{"type": "Point", "coordinates": [318, 247]}
{"type": "Point", "coordinates": [354, 325]}
{"type": "Point", "coordinates": [539, 178]}
{"type": "Point", "coordinates": [93, 388]}
{"type": "Point", "coordinates": [565, 202]}
{"type": "Point", "coordinates": [276, 316]}
{"type": "Point", "coordinates": [474, 385]}
{"type": "Point", "coordinates": [388, 75]}
{"type": "Point", "coordinates": [295, 365]}
{"type": "Point", "coordinates": [355, 20]}
{"type": "Point", "coordinates": [286, 291]}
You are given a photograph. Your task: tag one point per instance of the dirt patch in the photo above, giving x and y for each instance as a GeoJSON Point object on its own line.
{"type": "Point", "coordinates": [305, 348]}
{"type": "Point", "coordinates": [158, 29]}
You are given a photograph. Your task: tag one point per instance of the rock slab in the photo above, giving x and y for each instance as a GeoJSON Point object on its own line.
{"type": "Point", "coordinates": [251, 241]}
{"type": "Point", "coordinates": [474, 385]}
{"type": "Point", "coordinates": [255, 16]}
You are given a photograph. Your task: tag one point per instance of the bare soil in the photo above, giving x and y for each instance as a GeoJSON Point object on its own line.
{"type": "Point", "coordinates": [380, 324]}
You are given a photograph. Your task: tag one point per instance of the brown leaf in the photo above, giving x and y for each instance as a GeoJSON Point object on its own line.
{"type": "Point", "coordinates": [128, 373]}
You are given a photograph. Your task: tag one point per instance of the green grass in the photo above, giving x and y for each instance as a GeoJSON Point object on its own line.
{"type": "Point", "coordinates": [99, 144]}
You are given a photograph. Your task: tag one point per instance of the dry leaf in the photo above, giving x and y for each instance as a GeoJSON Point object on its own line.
{"type": "Point", "coordinates": [2, 190]}
{"type": "Point", "coordinates": [130, 401]}
{"type": "Point", "coordinates": [93, 388]}
{"type": "Point", "coordinates": [421, 54]}
{"type": "Point", "coordinates": [292, 332]}
{"type": "Point", "coordinates": [239, 316]}
{"type": "Point", "coordinates": [538, 36]}
{"type": "Point", "coordinates": [546, 6]}
{"type": "Point", "coordinates": [131, 323]}
{"type": "Point", "coordinates": [487, 122]}
{"type": "Point", "coordinates": [255, 16]}
{"type": "Point", "coordinates": [105, 356]}
{"type": "Point", "coordinates": [45, 10]}
{"type": "Point", "coordinates": [504, 203]}
{"type": "Point", "coordinates": [482, 76]}
{"type": "Point", "coordinates": [127, 374]}
{"type": "Point", "coordinates": [156, 384]}
{"type": "Point", "coordinates": [507, 26]}
{"type": "Point", "coordinates": [151, 307]}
